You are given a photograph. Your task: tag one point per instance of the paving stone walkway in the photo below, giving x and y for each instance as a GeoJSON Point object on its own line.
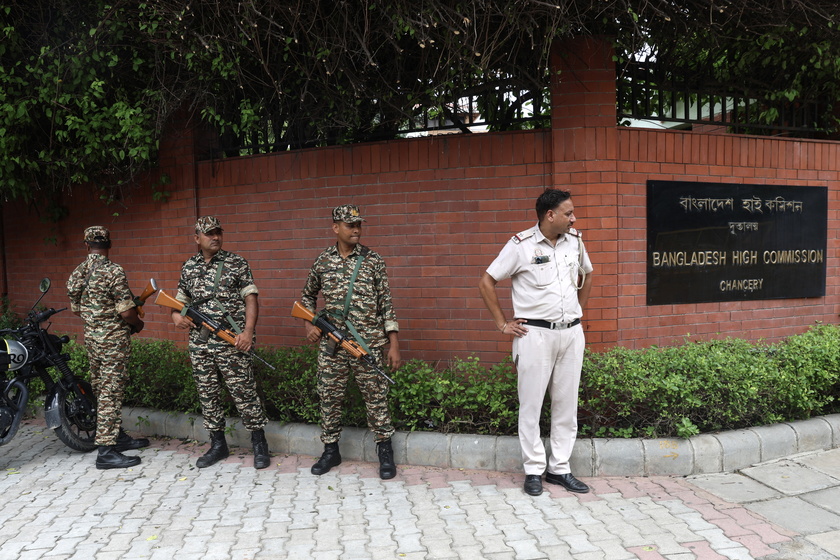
{"type": "Point", "coordinates": [57, 505]}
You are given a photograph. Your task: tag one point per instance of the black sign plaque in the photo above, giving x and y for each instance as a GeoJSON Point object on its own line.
{"type": "Point", "coordinates": [732, 242]}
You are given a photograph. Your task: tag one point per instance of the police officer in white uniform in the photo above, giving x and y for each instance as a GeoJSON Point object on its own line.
{"type": "Point", "coordinates": [551, 279]}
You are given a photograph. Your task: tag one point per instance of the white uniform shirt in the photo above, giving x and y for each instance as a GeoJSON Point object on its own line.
{"type": "Point", "coordinates": [542, 276]}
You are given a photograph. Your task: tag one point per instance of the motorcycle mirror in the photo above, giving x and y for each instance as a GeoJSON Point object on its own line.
{"type": "Point", "coordinates": [43, 286]}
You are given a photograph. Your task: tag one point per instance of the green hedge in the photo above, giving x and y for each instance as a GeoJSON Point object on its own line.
{"type": "Point", "coordinates": [656, 392]}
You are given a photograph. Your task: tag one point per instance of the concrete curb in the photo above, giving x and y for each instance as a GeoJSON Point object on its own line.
{"type": "Point", "coordinates": [702, 454]}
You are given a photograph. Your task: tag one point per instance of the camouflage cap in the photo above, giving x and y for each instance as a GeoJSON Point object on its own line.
{"type": "Point", "coordinates": [97, 234]}
{"type": "Point", "coordinates": [348, 213]}
{"type": "Point", "coordinates": [208, 223]}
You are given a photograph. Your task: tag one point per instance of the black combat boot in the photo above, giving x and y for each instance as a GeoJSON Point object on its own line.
{"type": "Point", "coordinates": [387, 468]}
{"type": "Point", "coordinates": [218, 450]}
{"type": "Point", "coordinates": [330, 458]}
{"type": "Point", "coordinates": [125, 442]}
{"type": "Point", "coordinates": [261, 457]}
{"type": "Point", "coordinates": [110, 458]}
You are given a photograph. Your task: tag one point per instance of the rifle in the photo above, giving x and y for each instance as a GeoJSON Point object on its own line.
{"type": "Point", "coordinates": [151, 288]}
{"type": "Point", "coordinates": [330, 330]}
{"type": "Point", "coordinates": [208, 325]}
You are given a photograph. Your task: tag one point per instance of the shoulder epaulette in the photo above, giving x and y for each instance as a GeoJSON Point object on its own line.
{"type": "Point", "coordinates": [522, 235]}
{"type": "Point", "coordinates": [576, 233]}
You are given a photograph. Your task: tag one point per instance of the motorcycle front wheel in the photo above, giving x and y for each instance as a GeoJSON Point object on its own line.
{"type": "Point", "coordinates": [77, 416]}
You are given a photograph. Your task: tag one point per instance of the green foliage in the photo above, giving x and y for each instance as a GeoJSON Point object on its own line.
{"type": "Point", "coordinates": [87, 86]}
{"type": "Point", "coordinates": [289, 393]}
{"type": "Point", "coordinates": [709, 386]}
{"type": "Point", "coordinates": [463, 398]}
{"type": "Point", "coordinates": [787, 68]}
{"type": "Point", "coordinates": [8, 318]}
{"type": "Point", "coordinates": [78, 102]}
{"type": "Point", "coordinates": [161, 377]}
{"type": "Point", "coordinates": [159, 193]}
{"type": "Point", "coordinates": [680, 391]}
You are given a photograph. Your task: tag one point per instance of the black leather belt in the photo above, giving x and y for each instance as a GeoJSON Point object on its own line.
{"type": "Point", "coordinates": [547, 325]}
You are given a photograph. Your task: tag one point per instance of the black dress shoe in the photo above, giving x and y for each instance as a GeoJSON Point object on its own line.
{"type": "Point", "coordinates": [110, 458]}
{"type": "Point", "coordinates": [125, 442]}
{"type": "Point", "coordinates": [567, 481]}
{"type": "Point", "coordinates": [533, 484]}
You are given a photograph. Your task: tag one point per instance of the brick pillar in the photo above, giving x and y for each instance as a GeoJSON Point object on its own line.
{"type": "Point", "coordinates": [584, 141]}
{"type": "Point", "coordinates": [583, 84]}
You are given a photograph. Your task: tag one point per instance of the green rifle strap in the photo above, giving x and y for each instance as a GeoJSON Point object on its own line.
{"type": "Point", "coordinates": [214, 298]}
{"type": "Point", "coordinates": [347, 322]}
{"type": "Point", "coordinates": [359, 260]}
{"type": "Point", "coordinates": [357, 336]}
{"type": "Point", "coordinates": [229, 318]}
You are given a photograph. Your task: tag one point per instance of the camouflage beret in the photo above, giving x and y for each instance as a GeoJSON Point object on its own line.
{"type": "Point", "coordinates": [208, 223]}
{"type": "Point", "coordinates": [348, 213]}
{"type": "Point", "coordinates": [97, 234]}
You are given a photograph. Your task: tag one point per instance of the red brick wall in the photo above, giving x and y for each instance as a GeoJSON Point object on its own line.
{"type": "Point", "coordinates": [439, 209]}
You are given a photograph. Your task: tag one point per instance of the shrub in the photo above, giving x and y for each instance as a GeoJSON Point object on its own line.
{"type": "Point", "coordinates": [289, 392]}
{"type": "Point", "coordinates": [161, 377]}
{"type": "Point", "coordinates": [463, 398]}
{"type": "Point", "coordinates": [655, 392]}
{"type": "Point", "coordinates": [8, 318]}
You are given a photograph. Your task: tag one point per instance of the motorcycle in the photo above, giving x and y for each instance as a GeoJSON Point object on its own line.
{"type": "Point", "coordinates": [30, 352]}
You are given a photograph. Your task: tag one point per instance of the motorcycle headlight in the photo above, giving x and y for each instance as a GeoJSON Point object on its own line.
{"type": "Point", "coordinates": [13, 355]}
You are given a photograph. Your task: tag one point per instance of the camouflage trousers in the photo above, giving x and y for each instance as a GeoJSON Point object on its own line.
{"type": "Point", "coordinates": [219, 364]}
{"type": "Point", "coordinates": [333, 375]}
{"type": "Point", "coordinates": [108, 376]}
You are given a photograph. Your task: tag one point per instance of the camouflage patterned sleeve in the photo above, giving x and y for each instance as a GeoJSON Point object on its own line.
{"type": "Point", "coordinates": [123, 300]}
{"type": "Point", "coordinates": [309, 296]}
{"type": "Point", "coordinates": [75, 287]}
{"type": "Point", "coordinates": [246, 281]}
{"type": "Point", "coordinates": [384, 303]}
{"type": "Point", "coordinates": [183, 295]}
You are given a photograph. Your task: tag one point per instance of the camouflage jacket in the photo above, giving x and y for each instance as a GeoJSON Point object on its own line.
{"type": "Point", "coordinates": [195, 288]}
{"type": "Point", "coordinates": [371, 310]}
{"type": "Point", "coordinates": [98, 291]}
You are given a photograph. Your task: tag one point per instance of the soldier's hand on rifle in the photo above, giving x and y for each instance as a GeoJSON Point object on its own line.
{"type": "Point", "coordinates": [244, 340]}
{"type": "Point", "coordinates": [181, 322]}
{"type": "Point", "coordinates": [134, 321]}
{"type": "Point", "coordinates": [313, 333]}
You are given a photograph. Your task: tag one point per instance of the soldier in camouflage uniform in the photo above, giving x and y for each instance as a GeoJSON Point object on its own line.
{"type": "Point", "coordinates": [370, 312]}
{"type": "Point", "coordinates": [220, 285]}
{"type": "Point", "coordinates": [99, 294]}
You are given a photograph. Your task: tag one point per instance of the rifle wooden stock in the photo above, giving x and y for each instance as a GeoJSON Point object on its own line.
{"type": "Point", "coordinates": [352, 347]}
{"type": "Point", "coordinates": [203, 321]}
{"type": "Point", "coordinates": [198, 319]}
{"type": "Point", "coordinates": [140, 300]}
{"type": "Point", "coordinates": [328, 329]}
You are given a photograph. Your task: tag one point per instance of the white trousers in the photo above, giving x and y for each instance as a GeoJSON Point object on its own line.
{"type": "Point", "coordinates": [548, 360]}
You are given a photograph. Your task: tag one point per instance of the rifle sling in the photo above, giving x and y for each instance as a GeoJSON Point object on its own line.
{"type": "Point", "coordinates": [214, 297]}
{"type": "Point", "coordinates": [345, 314]}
